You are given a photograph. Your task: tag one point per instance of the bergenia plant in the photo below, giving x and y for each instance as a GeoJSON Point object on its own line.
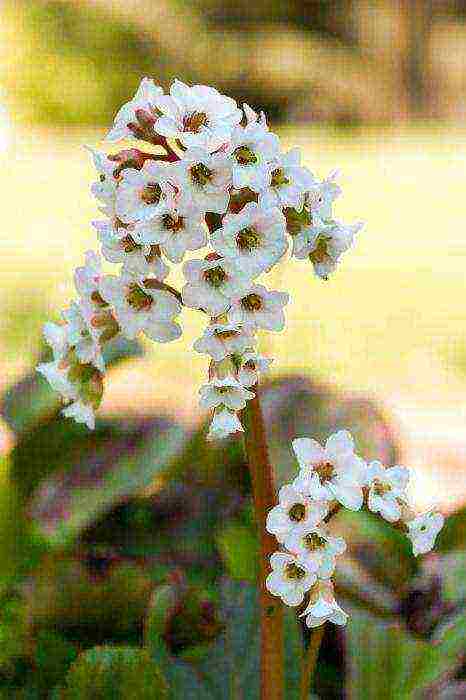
{"type": "Point", "coordinates": [208, 186]}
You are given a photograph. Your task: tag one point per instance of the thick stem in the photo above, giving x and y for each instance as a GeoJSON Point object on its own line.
{"type": "Point", "coordinates": [310, 656]}
{"type": "Point", "coordinates": [264, 498]}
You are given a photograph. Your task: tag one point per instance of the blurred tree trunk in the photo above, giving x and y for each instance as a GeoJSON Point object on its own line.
{"type": "Point", "coordinates": [419, 21]}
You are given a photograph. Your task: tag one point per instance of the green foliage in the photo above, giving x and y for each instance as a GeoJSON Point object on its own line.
{"type": "Point", "coordinates": [231, 666]}
{"type": "Point", "coordinates": [239, 547]}
{"type": "Point", "coordinates": [111, 673]}
{"type": "Point", "coordinates": [410, 667]}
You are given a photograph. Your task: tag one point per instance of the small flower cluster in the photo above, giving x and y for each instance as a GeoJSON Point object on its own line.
{"type": "Point", "coordinates": [221, 183]}
{"type": "Point", "coordinates": [331, 477]}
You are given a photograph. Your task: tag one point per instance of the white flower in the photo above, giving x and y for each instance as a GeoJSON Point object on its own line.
{"type": "Point", "coordinates": [141, 306]}
{"type": "Point", "coordinates": [224, 392]}
{"type": "Point", "coordinates": [316, 545]}
{"type": "Point", "coordinates": [251, 364]}
{"type": "Point", "coordinates": [323, 606]}
{"type": "Point", "coordinates": [57, 376]}
{"type": "Point", "coordinates": [295, 512]}
{"type": "Point", "coordinates": [197, 115]}
{"type": "Point", "coordinates": [321, 196]}
{"type": "Point", "coordinates": [145, 100]}
{"type": "Point", "coordinates": [211, 284]}
{"type": "Point", "coordinates": [56, 335]}
{"type": "Point", "coordinates": [255, 237]}
{"type": "Point", "coordinates": [142, 194]}
{"type": "Point", "coordinates": [87, 276]}
{"type": "Point", "coordinates": [104, 189]}
{"type": "Point", "coordinates": [330, 473]}
{"type": "Point", "coordinates": [290, 578]}
{"type": "Point", "coordinates": [117, 241]}
{"type": "Point", "coordinates": [325, 243]}
{"type": "Point", "coordinates": [204, 179]}
{"type": "Point", "coordinates": [251, 149]}
{"type": "Point", "coordinates": [224, 423]}
{"type": "Point", "coordinates": [222, 339]}
{"type": "Point", "coordinates": [387, 490]}
{"type": "Point", "coordinates": [175, 230]}
{"type": "Point", "coordinates": [83, 336]}
{"type": "Point", "coordinates": [287, 182]}
{"type": "Point", "coordinates": [423, 530]}
{"type": "Point", "coordinates": [259, 308]}
{"type": "Point", "coordinates": [81, 413]}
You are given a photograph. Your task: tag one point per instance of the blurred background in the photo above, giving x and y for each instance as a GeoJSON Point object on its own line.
{"type": "Point", "coordinates": [376, 88]}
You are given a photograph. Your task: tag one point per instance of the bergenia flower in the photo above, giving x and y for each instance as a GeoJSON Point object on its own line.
{"type": "Point", "coordinates": [387, 490]}
{"type": "Point", "coordinates": [423, 531]}
{"type": "Point", "coordinates": [295, 513]}
{"type": "Point", "coordinates": [332, 472]}
{"type": "Point", "coordinates": [290, 578]}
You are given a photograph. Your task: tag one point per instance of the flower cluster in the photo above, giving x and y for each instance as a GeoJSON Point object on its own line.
{"type": "Point", "coordinates": [212, 177]}
{"type": "Point", "coordinates": [331, 477]}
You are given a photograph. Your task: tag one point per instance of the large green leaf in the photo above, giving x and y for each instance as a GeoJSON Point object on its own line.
{"type": "Point", "coordinates": [114, 673]}
{"type": "Point", "coordinates": [231, 668]}
{"type": "Point", "coordinates": [90, 472]}
{"type": "Point", "coordinates": [384, 661]}
{"type": "Point", "coordinates": [453, 534]}
{"type": "Point", "coordinates": [31, 401]}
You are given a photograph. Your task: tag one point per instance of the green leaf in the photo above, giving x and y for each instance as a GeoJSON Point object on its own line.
{"type": "Point", "coordinates": [453, 534]}
{"type": "Point", "coordinates": [410, 667]}
{"type": "Point", "coordinates": [53, 656]}
{"type": "Point", "coordinates": [66, 597]}
{"type": "Point", "coordinates": [91, 471]}
{"type": "Point", "coordinates": [239, 548]}
{"type": "Point", "coordinates": [231, 667]}
{"type": "Point", "coordinates": [111, 673]}
{"type": "Point", "coordinates": [31, 401]}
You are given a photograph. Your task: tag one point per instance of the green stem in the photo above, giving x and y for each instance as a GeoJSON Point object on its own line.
{"type": "Point", "coordinates": [264, 498]}
{"type": "Point", "coordinates": [310, 655]}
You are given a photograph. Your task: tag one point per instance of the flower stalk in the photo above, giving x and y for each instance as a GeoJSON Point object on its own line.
{"type": "Point", "coordinates": [264, 498]}
{"type": "Point", "coordinates": [309, 662]}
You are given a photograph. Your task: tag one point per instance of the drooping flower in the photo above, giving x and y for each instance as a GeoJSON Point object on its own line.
{"type": "Point", "coordinates": [197, 115]}
{"type": "Point", "coordinates": [251, 363]}
{"type": "Point", "coordinates": [387, 490]}
{"type": "Point", "coordinates": [324, 243]}
{"type": "Point", "coordinates": [225, 422]}
{"type": "Point", "coordinates": [81, 413]}
{"type": "Point", "coordinates": [255, 238]}
{"type": "Point", "coordinates": [224, 392]}
{"type": "Point", "coordinates": [295, 512]}
{"type": "Point", "coordinates": [142, 105]}
{"type": "Point", "coordinates": [332, 472]}
{"type": "Point", "coordinates": [423, 531]}
{"type": "Point", "coordinates": [323, 607]}
{"type": "Point", "coordinates": [290, 578]}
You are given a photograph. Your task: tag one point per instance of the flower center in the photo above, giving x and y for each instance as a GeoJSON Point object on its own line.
{"type": "Point", "coordinates": [138, 299]}
{"type": "Point", "coordinates": [380, 489]}
{"type": "Point", "coordinates": [252, 302]}
{"type": "Point", "coordinates": [151, 193]}
{"type": "Point", "coordinates": [325, 470]}
{"type": "Point", "coordinates": [293, 571]}
{"type": "Point", "coordinates": [128, 244]}
{"type": "Point", "coordinates": [193, 122]}
{"type": "Point", "coordinates": [173, 223]}
{"type": "Point", "coordinates": [223, 389]}
{"type": "Point", "coordinates": [201, 174]}
{"type": "Point", "coordinates": [297, 512]}
{"type": "Point", "coordinates": [97, 299]}
{"type": "Point", "coordinates": [296, 221]}
{"type": "Point", "coordinates": [279, 178]}
{"type": "Point", "coordinates": [216, 276]}
{"type": "Point", "coordinates": [320, 253]}
{"type": "Point", "coordinates": [250, 364]}
{"type": "Point", "coordinates": [244, 155]}
{"type": "Point", "coordinates": [313, 541]}
{"type": "Point", "coordinates": [248, 239]}
{"type": "Point", "coordinates": [226, 335]}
